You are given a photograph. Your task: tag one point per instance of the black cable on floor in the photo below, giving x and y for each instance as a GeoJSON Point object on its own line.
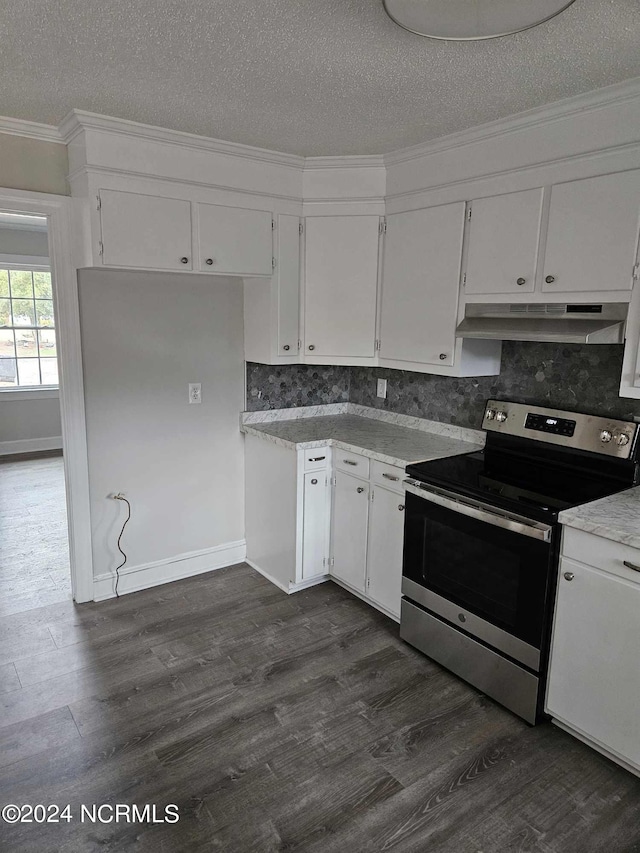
{"type": "Point", "coordinates": [122, 498]}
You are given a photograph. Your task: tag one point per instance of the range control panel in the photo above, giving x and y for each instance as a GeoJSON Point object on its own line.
{"type": "Point", "coordinates": [545, 423]}
{"type": "Point", "coordinates": [570, 429]}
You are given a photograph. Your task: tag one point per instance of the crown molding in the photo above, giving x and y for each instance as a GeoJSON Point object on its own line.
{"type": "Point", "coordinates": [355, 161]}
{"type": "Point", "coordinates": [30, 129]}
{"type": "Point", "coordinates": [78, 120]}
{"type": "Point", "coordinates": [618, 93]}
{"type": "Point", "coordinates": [184, 182]}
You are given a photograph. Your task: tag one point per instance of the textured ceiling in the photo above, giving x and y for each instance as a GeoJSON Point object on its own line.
{"type": "Point", "coordinates": [310, 77]}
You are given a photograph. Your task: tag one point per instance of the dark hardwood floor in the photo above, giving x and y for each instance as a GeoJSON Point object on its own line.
{"type": "Point", "coordinates": [279, 723]}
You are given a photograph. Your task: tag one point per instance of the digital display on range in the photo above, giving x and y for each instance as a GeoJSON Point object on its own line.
{"type": "Point", "coordinates": [556, 426]}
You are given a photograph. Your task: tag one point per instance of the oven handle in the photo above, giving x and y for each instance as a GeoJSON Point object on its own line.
{"type": "Point", "coordinates": [476, 509]}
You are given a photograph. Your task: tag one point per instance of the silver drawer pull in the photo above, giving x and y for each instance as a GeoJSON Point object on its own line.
{"type": "Point", "coordinates": [391, 477]}
{"type": "Point", "coordinates": [316, 458]}
{"type": "Point", "coordinates": [401, 507]}
{"type": "Point", "coordinates": [349, 462]}
{"type": "Point", "coordinates": [360, 490]}
{"type": "Point", "coordinates": [631, 566]}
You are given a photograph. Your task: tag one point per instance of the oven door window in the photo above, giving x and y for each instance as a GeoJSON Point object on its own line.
{"type": "Point", "coordinates": [495, 573]}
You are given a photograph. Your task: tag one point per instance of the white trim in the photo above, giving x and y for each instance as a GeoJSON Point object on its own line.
{"type": "Point", "coordinates": [363, 597]}
{"type": "Point", "coordinates": [58, 210]}
{"type": "Point", "coordinates": [35, 393]}
{"type": "Point", "coordinates": [78, 120]}
{"type": "Point", "coordinates": [291, 587]}
{"type": "Point", "coordinates": [146, 575]}
{"type": "Point", "coordinates": [32, 262]}
{"type": "Point", "coordinates": [349, 161]}
{"type": "Point", "coordinates": [30, 129]}
{"type": "Point", "coordinates": [30, 445]}
{"type": "Point", "coordinates": [89, 170]}
{"type": "Point", "coordinates": [543, 115]}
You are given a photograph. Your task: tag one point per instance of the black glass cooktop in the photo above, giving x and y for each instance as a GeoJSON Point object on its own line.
{"type": "Point", "coordinates": [538, 487]}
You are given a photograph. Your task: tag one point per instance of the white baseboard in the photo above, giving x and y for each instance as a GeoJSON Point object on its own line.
{"type": "Point", "coordinates": [30, 445]}
{"type": "Point", "coordinates": [290, 586]}
{"type": "Point", "coordinates": [146, 575]}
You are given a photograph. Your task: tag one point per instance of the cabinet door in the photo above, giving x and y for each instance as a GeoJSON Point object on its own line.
{"type": "Point", "coordinates": [593, 234]}
{"type": "Point", "coordinates": [341, 284]}
{"type": "Point", "coordinates": [594, 677]}
{"type": "Point", "coordinates": [504, 235]}
{"type": "Point", "coordinates": [287, 277]}
{"type": "Point", "coordinates": [420, 286]}
{"type": "Point", "coordinates": [384, 559]}
{"type": "Point", "coordinates": [315, 525]}
{"type": "Point", "coordinates": [349, 530]}
{"type": "Point", "coordinates": [235, 240]}
{"type": "Point", "coordinates": [145, 231]}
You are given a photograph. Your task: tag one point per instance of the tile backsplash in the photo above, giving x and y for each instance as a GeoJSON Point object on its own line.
{"type": "Point", "coordinates": [563, 376]}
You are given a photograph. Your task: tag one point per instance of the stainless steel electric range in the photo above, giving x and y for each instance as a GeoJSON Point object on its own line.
{"type": "Point", "coordinates": [482, 538]}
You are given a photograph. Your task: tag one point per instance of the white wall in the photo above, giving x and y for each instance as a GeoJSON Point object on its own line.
{"type": "Point", "coordinates": [33, 164]}
{"type": "Point", "coordinates": [145, 337]}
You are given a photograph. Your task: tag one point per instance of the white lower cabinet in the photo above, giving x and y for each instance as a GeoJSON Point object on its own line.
{"type": "Point", "coordinates": [594, 677]}
{"type": "Point", "coordinates": [384, 552]}
{"type": "Point", "coordinates": [367, 532]}
{"type": "Point", "coordinates": [350, 519]}
{"type": "Point", "coordinates": [287, 512]}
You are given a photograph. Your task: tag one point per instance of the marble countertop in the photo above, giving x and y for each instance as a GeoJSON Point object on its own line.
{"type": "Point", "coordinates": [377, 439]}
{"type": "Point", "coordinates": [615, 517]}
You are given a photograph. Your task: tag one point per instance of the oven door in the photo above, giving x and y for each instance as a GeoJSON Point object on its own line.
{"type": "Point", "coordinates": [484, 571]}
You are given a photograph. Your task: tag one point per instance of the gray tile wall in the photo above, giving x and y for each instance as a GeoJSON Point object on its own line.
{"type": "Point", "coordinates": [563, 376]}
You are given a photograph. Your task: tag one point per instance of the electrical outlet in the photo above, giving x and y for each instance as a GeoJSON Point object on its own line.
{"type": "Point", "coordinates": [382, 388]}
{"type": "Point", "coordinates": [195, 393]}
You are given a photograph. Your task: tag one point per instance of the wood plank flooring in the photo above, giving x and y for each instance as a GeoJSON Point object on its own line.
{"type": "Point", "coordinates": [279, 723]}
{"type": "Point", "coordinates": [34, 550]}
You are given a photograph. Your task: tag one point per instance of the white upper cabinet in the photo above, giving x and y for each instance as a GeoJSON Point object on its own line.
{"type": "Point", "coordinates": [234, 241]}
{"type": "Point", "coordinates": [341, 282]}
{"type": "Point", "coordinates": [592, 235]}
{"type": "Point", "coordinates": [503, 243]}
{"type": "Point", "coordinates": [145, 231]}
{"type": "Point", "coordinates": [272, 308]}
{"type": "Point", "coordinates": [420, 286]}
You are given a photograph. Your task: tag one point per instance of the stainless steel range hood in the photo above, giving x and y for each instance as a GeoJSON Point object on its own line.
{"type": "Point", "coordinates": [569, 324]}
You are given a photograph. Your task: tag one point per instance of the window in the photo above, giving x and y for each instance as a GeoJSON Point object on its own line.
{"type": "Point", "coordinates": [28, 356]}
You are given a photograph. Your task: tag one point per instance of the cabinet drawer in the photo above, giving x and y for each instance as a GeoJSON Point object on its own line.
{"type": "Point", "coordinates": [604, 554]}
{"type": "Point", "coordinates": [316, 458]}
{"type": "Point", "coordinates": [389, 476]}
{"type": "Point", "coordinates": [352, 463]}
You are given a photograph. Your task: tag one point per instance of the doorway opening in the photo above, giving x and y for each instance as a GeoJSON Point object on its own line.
{"type": "Point", "coordinates": [34, 545]}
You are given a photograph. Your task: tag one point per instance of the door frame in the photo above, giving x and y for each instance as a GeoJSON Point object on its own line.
{"type": "Point", "coordinates": [60, 211]}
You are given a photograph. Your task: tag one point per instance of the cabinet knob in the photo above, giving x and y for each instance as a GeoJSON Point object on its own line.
{"type": "Point", "coordinates": [443, 355]}
{"type": "Point", "coordinates": [286, 347]}
{"type": "Point", "coordinates": [184, 260]}
{"type": "Point", "coordinates": [569, 576]}
{"type": "Point", "coordinates": [314, 482]}
{"type": "Point", "coordinates": [549, 279]}
{"type": "Point", "coordinates": [360, 490]}
{"type": "Point", "coordinates": [401, 507]}
{"type": "Point", "coordinates": [209, 261]}
{"type": "Point", "coordinates": [311, 347]}
{"type": "Point", "coordinates": [521, 281]}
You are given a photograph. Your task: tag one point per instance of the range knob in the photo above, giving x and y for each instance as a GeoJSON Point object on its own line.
{"type": "Point", "coordinates": [621, 438]}
{"type": "Point", "coordinates": [501, 417]}
{"type": "Point", "coordinates": [490, 414]}
{"type": "Point", "coordinates": [605, 436]}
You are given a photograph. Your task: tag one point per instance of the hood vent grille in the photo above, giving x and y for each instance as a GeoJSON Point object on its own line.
{"type": "Point", "coordinates": [551, 321]}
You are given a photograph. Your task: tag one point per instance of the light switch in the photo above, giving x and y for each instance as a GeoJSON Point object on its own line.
{"type": "Point", "coordinates": [195, 392]}
{"type": "Point", "coordinates": [382, 388]}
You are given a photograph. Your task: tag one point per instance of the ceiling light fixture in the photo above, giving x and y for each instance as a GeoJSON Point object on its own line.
{"type": "Point", "coordinates": [471, 20]}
